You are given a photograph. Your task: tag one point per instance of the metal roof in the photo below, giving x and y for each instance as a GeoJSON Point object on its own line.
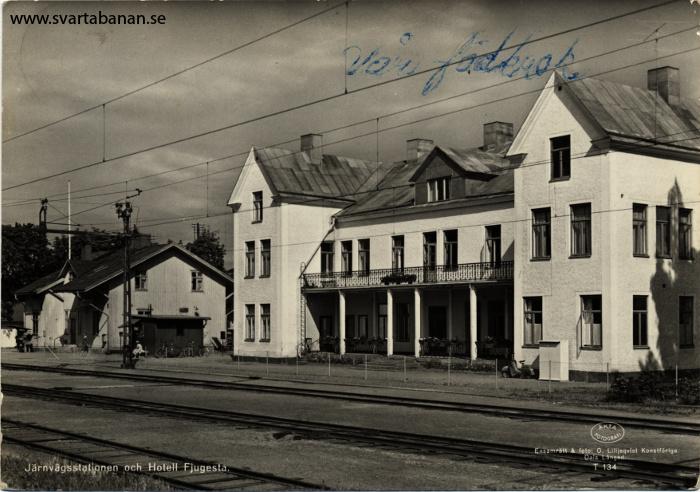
{"type": "Point", "coordinates": [110, 266]}
{"type": "Point", "coordinates": [294, 172]}
{"type": "Point", "coordinates": [41, 284]}
{"type": "Point", "coordinates": [626, 111]}
{"type": "Point", "coordinates": [396, 188]}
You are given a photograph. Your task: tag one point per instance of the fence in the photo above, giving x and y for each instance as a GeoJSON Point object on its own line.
{"type": "Point", "coordinates": [486, 377]}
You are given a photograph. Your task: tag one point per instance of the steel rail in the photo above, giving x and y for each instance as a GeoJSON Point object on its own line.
{"type": "Point", "coordinates": [688, 428]}
{"type": "Point", "coordinates": [669, 475]}
{"type": "Point", "coordinates": [63, 443]}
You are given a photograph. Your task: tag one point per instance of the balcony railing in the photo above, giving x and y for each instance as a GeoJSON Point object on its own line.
{"type": "Point", "coordinates": [441, 274]}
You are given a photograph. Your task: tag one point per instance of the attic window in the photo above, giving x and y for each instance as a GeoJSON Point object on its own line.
{"type": "Point", "coordinates": [561, 157]}
{"type": "Point", "coordinates": [438, 189]}
{"type": "Point", "coordinates": [257, 206]}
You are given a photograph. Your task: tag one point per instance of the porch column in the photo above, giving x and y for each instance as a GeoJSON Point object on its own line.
{"type": "Point", "coordinates": [389, 323]}
{"type": "Point", "coordinates": [449, 315]}
{"type": "Point", "coordinates": [341, 320]}
{"type": "Point", "coordinates": [417, 320]}
{"type": "Point", "coordinates": [472, 321]}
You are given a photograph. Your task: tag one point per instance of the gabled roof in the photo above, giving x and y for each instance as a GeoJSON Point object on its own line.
{"type": "Point", "coordinates": [635, 114]}
{"type": "Point", "coordinates": [397, 189]}
{"type": "Point", "coordinates": [111, 266]}
{"type": "Point", "coordinates": [41, 285]}
{"type": "Point", "coordinates": [472, 161]}
{"type": "Point", "coordinates": [291, 173]}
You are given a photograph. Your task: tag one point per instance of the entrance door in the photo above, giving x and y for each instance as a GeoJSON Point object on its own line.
{"type": "Point", "coordinates": [497, 319]}
{"type": "Point", "coordinates": [326, 328]}
{"type": "Point", "coordinates": [493, 246]}
{"type": "Point", "coordinates": [429, 256]}
{"type": "Point", "coordinates": [437, 322]}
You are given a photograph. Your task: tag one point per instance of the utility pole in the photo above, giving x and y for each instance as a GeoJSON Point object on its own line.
{"type": "Point", "coordinates": [70, 243]}
{"type": "Point", "coordinates": [124, 212]}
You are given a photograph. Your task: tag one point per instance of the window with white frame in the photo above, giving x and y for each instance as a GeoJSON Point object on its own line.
{"type": "Point", "coordinates": [250, 259]}
{"type": "Point", "coordinates": [663, 232]}
{"type": "Point", "coordinates": [561, 157]}
{"type": "Point", "coordinates": [327, 257]}
{"type": "Point", "coordinates": [591, 321]}
{"type": "Point", "coordinates": [581, 240]}
{"type": "Point", "coordinates": [346, 256]}
{"type": "Point", "coordinates": [249, 322]}
{"type": "Point", "coordinates": [639, 229]}
{"type": "Point", "coordinates": [438, 189]}
{"type": "Point", "coordinates": [141, 281]}
{"type": "Point", "coordinates": [265, 322]}
{"type": "Point", "coordinates": [451, 249]}
{"type": "Point", "coordinates": [197, 281]}
{"type": "Point", "coordinates": [685, 237]}
{"type": "Point", "coordinates": [397, 253]}
{"type": "Point", "coordinates": [257, 206]}
{"type": "Point", "coordinates": [541, 234]}
{"type": "Point", "coordinates": [363, 255]}
{"type": "Point", "coordinates": [533, 320]}
{"type": "Point", "coordinates": [265, 260]}
{"type": "Point", "coordinates": [639, 321]}
{"type": "Point", "coordinates": [493, 245]}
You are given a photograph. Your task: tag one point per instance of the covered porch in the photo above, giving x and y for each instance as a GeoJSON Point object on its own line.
{"type": "Point", "coordinates": [469, 320]}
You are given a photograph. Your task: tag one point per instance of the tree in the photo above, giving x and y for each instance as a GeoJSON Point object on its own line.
{"type": "Point", "coordinates": [100, 240]}
{"type": "Point", "coordinates": [209, 248]}
{"type": "Point", "coordinates": [26, 257]}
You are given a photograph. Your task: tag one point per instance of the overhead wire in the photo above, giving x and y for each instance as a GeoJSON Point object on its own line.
{"type": "Point", "coordinates": [412, 108]}
{"type": "Point", "coordinates": [324, 99]}
{"type": "Point", "coordinates": [179, 72]}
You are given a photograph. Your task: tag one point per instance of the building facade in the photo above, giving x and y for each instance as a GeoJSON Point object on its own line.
{"type": "Point", "coordinates": [172, 291]}
{"type": "Point", "coordinates": [604, 201]}
{"type": "Point", "coordinates": [576, 236]}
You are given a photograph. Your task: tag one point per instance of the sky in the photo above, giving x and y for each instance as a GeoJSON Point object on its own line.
{"type": "Point", "coordinates": [385, 54]}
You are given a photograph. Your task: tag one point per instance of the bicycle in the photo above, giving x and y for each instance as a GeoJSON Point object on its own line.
{"type": "Point", "coordinates": [166, 351]}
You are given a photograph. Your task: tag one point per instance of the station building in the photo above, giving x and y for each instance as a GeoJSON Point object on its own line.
{"type": "Point", "coordinates": [576, 233]}
{"type": "Point", "coordinates": [176, 297]}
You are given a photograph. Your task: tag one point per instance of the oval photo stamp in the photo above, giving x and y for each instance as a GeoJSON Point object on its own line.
{"type": "Point", "coordinates": [607, 432]}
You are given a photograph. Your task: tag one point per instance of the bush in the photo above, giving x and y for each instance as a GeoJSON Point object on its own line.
{"type": "Point", "coordinates": [689, 391]}
{"type": "Point", "coordinates": [653, 385]}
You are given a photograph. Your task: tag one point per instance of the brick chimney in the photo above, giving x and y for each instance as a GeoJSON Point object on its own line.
{"type": "Point", "coordinates": [497, 135]}
{"type": "Point", "coordinates": [418, 147]}
{"type": "Point", "coordinates": [139, 241]}
{"type": "Point", "coordinates": [665, 81]}
{"type": "Point", "coordinates": [312, 144]}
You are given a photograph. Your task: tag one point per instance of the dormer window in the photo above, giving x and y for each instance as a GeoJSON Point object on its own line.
{"type": "Point", "coordinates": [439, 189]}
{"type": "Point", "coordinates": [257, 206]}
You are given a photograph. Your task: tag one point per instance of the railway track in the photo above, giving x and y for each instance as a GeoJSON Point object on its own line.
{"type": "Point", "coordinates": [689, 428]}
{"type": "Point", "coordinates": [665, 475]}
{"type": "Point", "coordinates": [178, 471]}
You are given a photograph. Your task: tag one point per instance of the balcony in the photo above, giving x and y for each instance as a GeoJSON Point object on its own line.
{"type": "Point", "coordinates": [387, 277]}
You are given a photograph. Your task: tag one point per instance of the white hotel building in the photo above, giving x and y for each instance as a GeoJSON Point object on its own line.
{"type": "Point", "coordinates": [575, 236]}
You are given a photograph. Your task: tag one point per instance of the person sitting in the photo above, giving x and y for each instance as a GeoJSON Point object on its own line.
{"type": "Point", "coordinates": [28, 344]}
{"type": "Point", "coordinates": [138, 351]}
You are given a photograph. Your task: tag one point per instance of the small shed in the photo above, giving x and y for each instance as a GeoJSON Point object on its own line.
{"type": "Point", "coordinates": [180, 331]}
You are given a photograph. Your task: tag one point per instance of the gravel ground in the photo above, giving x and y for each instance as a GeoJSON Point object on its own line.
{"type": "Point", "coordinates": [575, 394]}
{"type": "Point", "coordinates": [338, 466]}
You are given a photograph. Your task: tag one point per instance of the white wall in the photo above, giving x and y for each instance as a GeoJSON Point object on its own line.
{"type": "Point", "coordinates": [611, 182]}
{"type": "Point", "coordinates": [295, 231]}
